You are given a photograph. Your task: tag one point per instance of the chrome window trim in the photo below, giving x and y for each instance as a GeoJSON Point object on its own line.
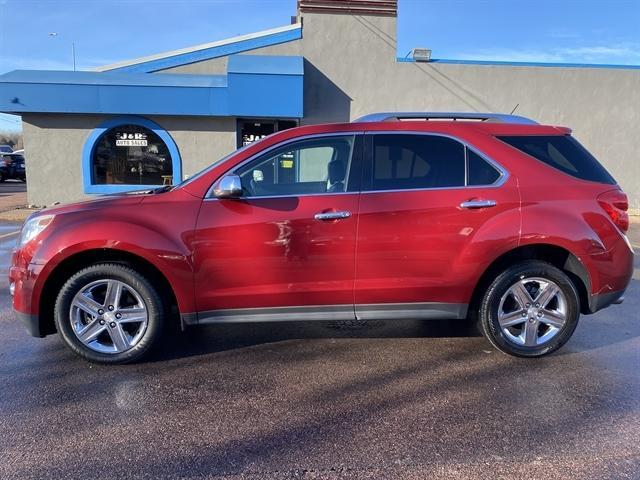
{"type": "Point", "coordinates": [504, 174]}
{"type": "Point", "coordinates": [209, 195]}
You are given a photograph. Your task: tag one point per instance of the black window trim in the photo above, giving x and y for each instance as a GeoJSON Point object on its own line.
{"type": "Point", "coordinates": [368, 162]}
{"type": "Point", "coordinates": [357, 161]}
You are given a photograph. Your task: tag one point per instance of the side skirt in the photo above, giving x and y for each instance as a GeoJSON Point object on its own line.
{"type": "Point", "coordinates": [383, 311]}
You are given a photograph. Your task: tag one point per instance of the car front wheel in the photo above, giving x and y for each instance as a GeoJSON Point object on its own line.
{"type": "Point", "coordinates": [109, 313]}
{"type": "Point", "coordinates": [530, 309]}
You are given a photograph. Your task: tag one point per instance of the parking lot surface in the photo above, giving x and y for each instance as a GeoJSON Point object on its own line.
{"type": "Point", "coordinates": [13, 193]}
{"type": "Point", "coordinates": [393, 399]}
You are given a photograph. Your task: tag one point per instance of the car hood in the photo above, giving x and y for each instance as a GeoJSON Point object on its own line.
{"type": "Point", "coordinates": [116, 200]}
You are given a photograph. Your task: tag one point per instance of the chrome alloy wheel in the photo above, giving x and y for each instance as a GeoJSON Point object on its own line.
{"type": "Point", "coordinates": [532, 311]}
{"type": "Point", "coordinates": [109, 316]}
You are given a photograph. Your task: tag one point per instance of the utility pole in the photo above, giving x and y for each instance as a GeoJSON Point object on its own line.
{"type": "Point", "coordinates": [73, 50]}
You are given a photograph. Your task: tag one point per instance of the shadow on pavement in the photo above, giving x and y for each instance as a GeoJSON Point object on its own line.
{"type": "Point", "coordinates": [207, 339]}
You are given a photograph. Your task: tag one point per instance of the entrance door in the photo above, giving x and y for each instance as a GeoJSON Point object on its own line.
{"type": "Point", "coordinates": [286, 249]}
{"type": "Point", "coordinates": [250, 131]}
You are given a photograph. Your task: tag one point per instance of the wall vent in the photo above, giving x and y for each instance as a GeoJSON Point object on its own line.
{"type": "Point", "coordinates": [421, 54]}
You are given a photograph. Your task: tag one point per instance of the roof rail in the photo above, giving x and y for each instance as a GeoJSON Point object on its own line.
{"type": "Point", "coordinates": [483, 117]}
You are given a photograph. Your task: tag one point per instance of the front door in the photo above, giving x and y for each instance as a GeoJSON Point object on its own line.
{"type": "Point", "coordinates": [421, 237]}
{"type": "Point", "coordinates": [286, 249]}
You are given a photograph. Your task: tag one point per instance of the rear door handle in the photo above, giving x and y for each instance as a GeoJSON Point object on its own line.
{"type": "Point", "coordinates": [478, 204]}
{"type": "Point", "coordinates": [325, 216]}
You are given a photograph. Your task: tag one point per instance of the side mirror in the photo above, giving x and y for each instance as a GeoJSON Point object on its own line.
{"type": "Point", "coordinates": [228, 186]}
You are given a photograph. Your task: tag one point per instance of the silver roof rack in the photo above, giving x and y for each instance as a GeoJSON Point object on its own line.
{"type": "Point", "coordinates": [483, 117]}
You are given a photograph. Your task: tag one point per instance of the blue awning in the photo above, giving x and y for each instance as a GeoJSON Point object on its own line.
{"type": "Point", "coordinates": [256, 85]}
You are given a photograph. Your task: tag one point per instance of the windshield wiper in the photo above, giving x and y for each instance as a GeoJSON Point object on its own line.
{"type": "Point", "coordinates": [164, 188]}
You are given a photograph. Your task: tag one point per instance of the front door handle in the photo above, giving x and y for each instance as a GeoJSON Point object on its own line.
{"type": "Point", "coordinates": [478, 204]}
{"type": "Point", "coordinates": [325, 216]}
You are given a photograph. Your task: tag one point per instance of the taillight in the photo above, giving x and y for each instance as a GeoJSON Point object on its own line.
{"type": "Point", "coordinates": [616, 204]}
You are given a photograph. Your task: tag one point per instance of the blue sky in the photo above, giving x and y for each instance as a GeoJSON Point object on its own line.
{"type": "Point", "coordinates": [106, 31]}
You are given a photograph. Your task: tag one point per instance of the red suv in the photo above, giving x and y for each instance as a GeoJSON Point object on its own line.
{"type": "Point", "coordinates": [484, 216]}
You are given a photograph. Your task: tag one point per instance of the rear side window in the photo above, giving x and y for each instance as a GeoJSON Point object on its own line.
{"type": "Point", "coordinates": [416, 161]}
{"type": "Point", "coordinates": [563, 153]}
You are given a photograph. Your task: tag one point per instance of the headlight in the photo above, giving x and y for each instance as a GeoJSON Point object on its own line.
{"type": "Point", "coordinates": [33, 227]}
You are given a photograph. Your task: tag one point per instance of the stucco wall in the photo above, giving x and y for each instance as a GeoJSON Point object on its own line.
{"type": "Point", "coordinates": [54, 143]}
{"type": "Point", "coordinates": [359, 74]}
{"type": "Point", "coordinates": [218, 66]}
{"type": "Point", "coordinates": [351, 70]}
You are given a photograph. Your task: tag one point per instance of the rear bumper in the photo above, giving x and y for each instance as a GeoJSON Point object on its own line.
{"type": "Point", "coordinates": [31, 323]}
{"type": "Point", "coordinates": [603, 300]}
{"type": "Point", "coordinates": [610, 272]}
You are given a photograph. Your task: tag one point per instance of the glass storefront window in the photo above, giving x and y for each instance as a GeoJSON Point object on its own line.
{"type": "Point", "coordinates": [131, 155]}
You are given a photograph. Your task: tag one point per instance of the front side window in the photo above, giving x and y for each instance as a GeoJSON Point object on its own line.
{"type": "Point", "coordinates": [131, 155]}
{"type": "Point", "coordinates": [402, 161]}
{"type": "Point", "coordinates": [313, 166]}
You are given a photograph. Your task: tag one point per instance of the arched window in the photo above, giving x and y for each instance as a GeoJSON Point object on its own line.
{"type": "Point", "coordinates": [129, 153]}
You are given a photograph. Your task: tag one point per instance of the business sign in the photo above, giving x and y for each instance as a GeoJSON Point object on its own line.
{"type": "Point", "coordinates": [131, 139]}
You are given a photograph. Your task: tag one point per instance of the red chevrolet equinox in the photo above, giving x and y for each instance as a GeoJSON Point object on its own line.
{"type": "Point", "coordinates": [400, 215]}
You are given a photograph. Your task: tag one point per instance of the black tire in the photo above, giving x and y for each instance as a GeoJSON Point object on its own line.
{"type": "Point", "coordinates": [111, 271]}
{"type": "Point", "coordinates": [490, 303]}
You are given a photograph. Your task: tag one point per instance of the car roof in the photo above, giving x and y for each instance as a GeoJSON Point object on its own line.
{"type": "Point", "coordinates": [440, 126]}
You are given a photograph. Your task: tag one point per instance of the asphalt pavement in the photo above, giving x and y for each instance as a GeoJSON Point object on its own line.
{"type": "Point", "coordinates": [12, 186]}
{"type": "Point", "coordinates": [393, 399]}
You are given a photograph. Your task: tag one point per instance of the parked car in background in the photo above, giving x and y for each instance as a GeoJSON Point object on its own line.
{"type": "Point", "coordinates": [12, 166]}
{"type": "Point", "coordinates": [489, 217]}
{"type": "Point", "coordinates": [6, 149]}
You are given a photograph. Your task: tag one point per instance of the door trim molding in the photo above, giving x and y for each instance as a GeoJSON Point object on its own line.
{"type": "Point", "coordinates": [379, 311]}
{"type": "Point", "coordinates": [418, 311]}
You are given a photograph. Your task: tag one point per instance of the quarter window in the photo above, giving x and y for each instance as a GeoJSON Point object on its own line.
{"type": "Point", "coordinates": [563, 153]}
{"type": "Point", "coordinates": [480, 172]}
{"type": "Point", "coordinates": [416, 161]}
{"type": "Point", "coordinates": [313, 166]}
{"type": "Point", "coordinates": [131, 155]}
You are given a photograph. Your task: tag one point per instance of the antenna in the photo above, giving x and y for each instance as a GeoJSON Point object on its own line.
{"type": "Point", "coordinates": [514, 108]}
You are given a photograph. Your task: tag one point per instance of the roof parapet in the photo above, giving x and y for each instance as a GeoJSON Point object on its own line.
{"type": "Point", "coordinates": [386, 8]}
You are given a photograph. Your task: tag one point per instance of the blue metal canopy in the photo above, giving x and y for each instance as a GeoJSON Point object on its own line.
{"type": "Point", "coordinates": [256, 85]}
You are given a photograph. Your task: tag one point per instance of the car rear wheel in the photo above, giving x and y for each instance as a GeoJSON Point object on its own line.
{"type": "Point", "coordinates": [530, 309]}
{"type": "Point", "coordinates": [109, 313]}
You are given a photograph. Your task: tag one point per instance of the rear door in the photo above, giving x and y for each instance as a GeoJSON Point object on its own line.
{"type": "Point", "coordinates": [421, 243]}
{"type": "Point", "coordinates": [286, 249]}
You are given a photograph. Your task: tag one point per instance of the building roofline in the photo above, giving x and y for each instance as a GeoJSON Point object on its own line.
{"type": "Point", "coordinates": [257, 86]}
{"type": "Point", "coordinates": [206, 51]}
{"type": "Point", "coordinates": [506, 63]}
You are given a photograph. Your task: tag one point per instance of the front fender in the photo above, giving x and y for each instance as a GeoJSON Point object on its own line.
{"type": "Point", "coordinates": [150, 232]}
